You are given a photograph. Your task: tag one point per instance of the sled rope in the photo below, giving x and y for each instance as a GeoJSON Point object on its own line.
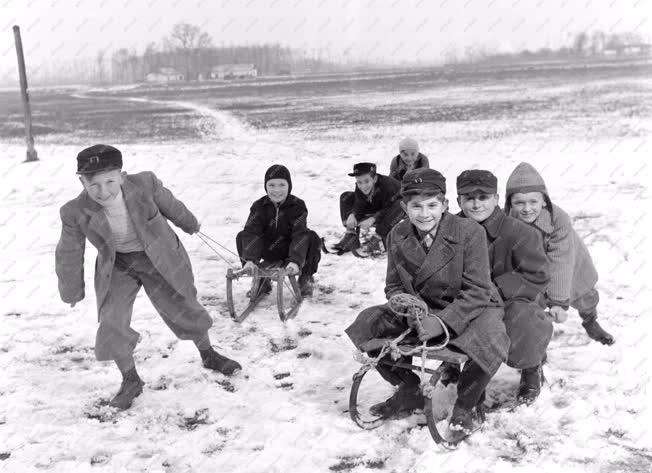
{"type": "Point", "coordinates": [203, 237]}
{"type": "Point", "coordinates": [409, 306]}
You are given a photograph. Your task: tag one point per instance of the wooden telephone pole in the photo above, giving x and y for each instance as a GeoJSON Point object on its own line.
{"type": "Point", "coordinates": [31, 152]}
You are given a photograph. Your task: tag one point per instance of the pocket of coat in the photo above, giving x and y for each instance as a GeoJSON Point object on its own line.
{"type": "Point", "coordinates": [153, 219]}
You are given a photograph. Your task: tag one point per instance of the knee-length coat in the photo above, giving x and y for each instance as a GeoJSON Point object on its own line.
{"type": "Point", "coordinates": [150, 206]}
{"type": "Point", "coordinates": [453, 279]}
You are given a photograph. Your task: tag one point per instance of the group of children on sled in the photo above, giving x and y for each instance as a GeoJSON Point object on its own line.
{"type": "Point", "coordinates": [487, 274]}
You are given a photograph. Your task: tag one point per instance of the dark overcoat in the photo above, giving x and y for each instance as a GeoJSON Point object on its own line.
{"type": "Point", "coordinates": [150, 206]}
{"type": "Point", "coordinates": [453, 279]}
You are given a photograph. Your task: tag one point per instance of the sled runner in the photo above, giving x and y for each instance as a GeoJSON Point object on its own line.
{"type": "Point", "coordinates": [260, 286]}
{"type": "Point", "coordinates": [437, 409]}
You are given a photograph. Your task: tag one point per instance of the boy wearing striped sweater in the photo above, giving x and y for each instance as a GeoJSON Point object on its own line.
{"type": "Point", "coordinates": [125, 216]}
{"type": "Point", "coordinates": [572, 274]}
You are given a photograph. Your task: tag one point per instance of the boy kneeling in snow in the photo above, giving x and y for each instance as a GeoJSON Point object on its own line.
{"type": "Point", "coordinates": [573, 275]}
{"type": "Point", "coordinates": [374, 203]}
{"type": "Point", "coordinates": [443, 259]}
{"type": "Point", "coordinates": [518, 267]}
{"type": "Point", "coordinates": [276, 232]}
{"type": "Point", "coordinates": [125, 217]}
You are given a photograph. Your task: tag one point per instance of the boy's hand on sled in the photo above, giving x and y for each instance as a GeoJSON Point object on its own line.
{"type": "Point", "coordinates": [351, 222]}
{"type": "Point", "coordinates": [558, 314]}
{"type": "Point", "coordinates": [430, 328]}
{"type": "Point", "coordinates": [367, 223]}
{"type": "Point", "coordinates": [249, 266]}
{"type": "Point", "coordinates": [292, 269]}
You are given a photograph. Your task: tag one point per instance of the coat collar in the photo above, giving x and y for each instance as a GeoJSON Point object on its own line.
{"type": "Point", "coordinates": [494, 223]}
{"type": "Point", "coordinates": [441, 250]}
{"type": "Point", "coordinates": [544, 221]}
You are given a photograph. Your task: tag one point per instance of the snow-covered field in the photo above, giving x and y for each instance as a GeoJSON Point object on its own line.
{"type": "Point", "coordinates": [287, 410]}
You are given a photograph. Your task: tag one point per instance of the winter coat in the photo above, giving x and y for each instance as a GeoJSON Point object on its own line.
{"type": "Point", "coordinates": [276, 230]}
{"type": "Point", "coordinates": [386, 192]}
{"type": "Point", "coordinates": [572, 273]}
{"type": "Point", "coordinates": [453, 279]}
{"type": "Point", "coordinates": [398, 168]}
{"type": "Point", "coordinates": [150, 206]}
{"type": "Point", "coordinates": [519, 267]}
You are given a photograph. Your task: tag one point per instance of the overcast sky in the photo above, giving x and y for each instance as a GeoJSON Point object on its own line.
{"type": "Point", "coordinates": [394, 31]}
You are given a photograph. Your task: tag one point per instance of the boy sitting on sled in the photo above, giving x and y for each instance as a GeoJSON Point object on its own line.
{"type": "Point", "coordinates": [125, 216]}
{"type": "Point", "coordinates": [519, 271]}
{"type": "Point", "coordinates": [408, 158]}
{"type": "Point", "coordinates": [442, 259]}
{"type": "Point", "coordinates": [374, 203]}
{"type": "Point", "coordinates": [573, 275]}
{"type": "Point", "coordinates": [276, 232]}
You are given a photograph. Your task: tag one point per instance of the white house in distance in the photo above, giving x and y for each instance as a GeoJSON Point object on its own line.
{"type": "Point", "coordinates": [165, 74]}
{"type": "Point", "coordinates": [233, 71]}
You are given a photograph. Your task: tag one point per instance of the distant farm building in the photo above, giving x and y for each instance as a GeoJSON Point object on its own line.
{"type": "Point", "coordinates": [165, 74]}
{"type": "Point", "coordinates": [638, 49]}
{"type": "Point", "coordinates": [233, 71]}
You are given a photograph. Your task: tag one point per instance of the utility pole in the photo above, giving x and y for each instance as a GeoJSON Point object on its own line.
{"type": "Point", "coordinates": [29, 138]}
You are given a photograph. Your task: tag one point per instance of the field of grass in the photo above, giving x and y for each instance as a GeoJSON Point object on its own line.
{"type": "Point", "coordinates": [584, 101]}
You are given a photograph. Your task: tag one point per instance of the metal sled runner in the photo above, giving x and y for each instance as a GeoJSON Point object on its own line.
{"type": "Point", "coordinates": [367, 421]}
{"type": "Point", "coordinates": [287, 307]}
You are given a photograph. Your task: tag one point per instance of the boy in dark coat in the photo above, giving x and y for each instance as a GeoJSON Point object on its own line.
{"type": "Point", "coordinates": [519, 271]}
{"type": "Point", "coordinates": [572, 274]}
{"type": "Point", "coordinates": [125, 216]}
{"type": "Point", "coordinates": [408, 158]}
{"type": "Point", "coordinates": [374, 203]}
{"type": "Point", "coordinates": [276, 232]}
{"type": "Point", "coordinates": [443, 259]}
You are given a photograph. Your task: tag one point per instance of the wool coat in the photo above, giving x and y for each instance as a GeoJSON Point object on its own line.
{"type": "Point", "coordinates": [150, 206]}
{"type": "Point", "coordinates": [453, 279]}
{"type": "Point", "coordinates": [385, 194]}
{"type": "Point", "coordinates": [519, 270]}
{"type": "Point", "coordinates": [398, 168]}
{"type": "Point", "coordinates": [572, 273]}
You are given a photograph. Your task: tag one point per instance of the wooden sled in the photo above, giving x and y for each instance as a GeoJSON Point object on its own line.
{"type": "Point", "coordinates": [440, 437]}
{"type": "Point", "coordinates": [283, 282]}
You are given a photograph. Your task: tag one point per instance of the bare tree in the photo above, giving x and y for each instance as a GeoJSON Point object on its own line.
{"type": "Point", "coordinates": [188, 39]}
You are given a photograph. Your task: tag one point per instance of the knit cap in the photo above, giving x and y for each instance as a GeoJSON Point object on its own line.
{"type": "Point", "coordinates": [523, 179]}
{"type": "Point", "coordinates": [278, 171]}
{"type": "Point", "coordinates": [408, 144]}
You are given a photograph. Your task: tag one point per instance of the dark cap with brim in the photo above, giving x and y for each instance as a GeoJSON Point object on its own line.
{"type": "Point", "coordinates": [476, 181]}
{"type": "Point", "coordinates": [422, 180]}
{"type": "Point", "coordinates": [363, 168]}
{"type": "Point", "coordinates": [98, 158]}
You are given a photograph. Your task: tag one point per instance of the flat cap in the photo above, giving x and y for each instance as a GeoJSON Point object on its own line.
{"type": "Point", "coordinates": [98, 158]}
{"type": "Point", "coordinates": [422, 180]}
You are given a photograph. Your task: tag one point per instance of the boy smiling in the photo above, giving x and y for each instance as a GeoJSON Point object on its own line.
{"type": "Point", "coordinates": [442, 259]}
{"type": "Point", "coordinates": [125, 216]}
{"type": "Point", "coordinates": [519, 272]}
{"type": "Point", "coordinates": [573, 275]}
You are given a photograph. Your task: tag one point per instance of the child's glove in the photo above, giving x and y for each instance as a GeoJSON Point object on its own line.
{"type": "Point", "coordinates": [351, 222]}
{"type": "Point", "coordinates": [367, 223]}
{"type": "Point", "coordinates": [558, 314]}
{"type": "Point", "coordinates": [430, 328]}
{"type": "Point", "coordinates": [292, 269]}
{"type": "Point", "coordinates": [249, 266]}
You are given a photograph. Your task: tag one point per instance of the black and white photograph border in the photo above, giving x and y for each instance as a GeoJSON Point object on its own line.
{"type": "Point", "coordinates": [208, 96]}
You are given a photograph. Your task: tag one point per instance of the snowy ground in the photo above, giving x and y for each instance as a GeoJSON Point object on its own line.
{"type": "Point", "coordinates": [287, 410]}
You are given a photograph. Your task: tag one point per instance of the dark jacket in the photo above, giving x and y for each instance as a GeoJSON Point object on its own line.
{"type": "Point", "coordinates": [150, 206]}
{"type": "Point", "coordinates": [386, 192]}
{"type": "Point", "coordinates": [453, 279]}
{"type": "Point", "coordinates": [518, 262]}
{"type": "Point", "coordinates": [398, 168]}
{"type": "Point", "coordinates": [276, 232]}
